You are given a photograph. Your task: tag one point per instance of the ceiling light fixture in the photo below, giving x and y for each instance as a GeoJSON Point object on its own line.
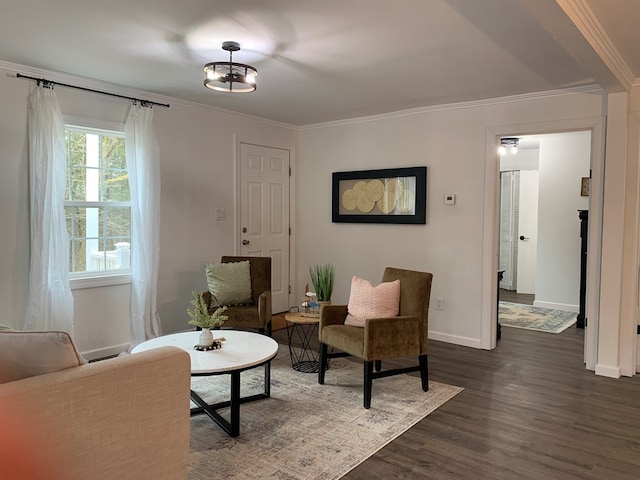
{"type": "Point", "coordinates": [510, 143]}
{"type": "Point", "coordinates": [230, 77]}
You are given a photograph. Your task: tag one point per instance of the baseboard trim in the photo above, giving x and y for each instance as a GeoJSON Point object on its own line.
{"type": "Point", "coordinates": [557, 306]}
{"type": "Point", "coordinates": [610, 371]}
{"type": "Point", "coordinates": [104, 352]}
{"type": "Point", "coordinates": [455, 339]}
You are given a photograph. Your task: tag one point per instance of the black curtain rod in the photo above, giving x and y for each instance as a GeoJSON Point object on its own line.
{"type": "Point", "coordinates": [51, 82]}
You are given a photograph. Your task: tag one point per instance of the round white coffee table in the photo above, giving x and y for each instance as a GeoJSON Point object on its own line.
{"type": "Point", "coordinates": [240, 351]}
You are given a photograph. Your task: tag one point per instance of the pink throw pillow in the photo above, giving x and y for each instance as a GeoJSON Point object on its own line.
{"type": "Point", "coordinates": [368, 301]}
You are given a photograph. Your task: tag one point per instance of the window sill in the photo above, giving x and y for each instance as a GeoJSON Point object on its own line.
{"type": "Point", "coordinates": [101, 281]}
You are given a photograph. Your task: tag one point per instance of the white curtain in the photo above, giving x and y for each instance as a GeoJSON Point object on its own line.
{"type": "Point", "coordinates": [50, 302]}
{"type": "Point", "coordinates": [143, 165]}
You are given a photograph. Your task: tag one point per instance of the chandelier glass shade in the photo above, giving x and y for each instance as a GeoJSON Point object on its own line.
{"type": "Point", "coordinates": [230, 77]}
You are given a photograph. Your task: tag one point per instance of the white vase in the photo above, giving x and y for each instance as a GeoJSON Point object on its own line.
{"type": "Point", "coordinates": [206, 338]}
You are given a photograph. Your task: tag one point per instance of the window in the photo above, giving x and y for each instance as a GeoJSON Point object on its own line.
{"type": "Point", "coordinates": [97, 202]}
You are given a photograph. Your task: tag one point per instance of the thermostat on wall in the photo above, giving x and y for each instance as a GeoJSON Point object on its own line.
{"type": "Point", "coordinates": [449, 199]}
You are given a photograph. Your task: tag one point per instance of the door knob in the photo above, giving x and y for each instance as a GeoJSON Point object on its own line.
{"type": "Point", "coordinates": [522, 237]}
{"type": "Point", "coordinates": [245, 242]}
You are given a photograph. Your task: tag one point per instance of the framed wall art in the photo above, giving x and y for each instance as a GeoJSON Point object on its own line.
{"type": "Point", "coordinates": [392, 195]}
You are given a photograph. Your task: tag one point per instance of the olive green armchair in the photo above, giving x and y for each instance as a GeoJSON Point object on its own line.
{"type": "Point", "coordinates": [257, 314]}
{"type": "Point", "coordinates": [382, 338]}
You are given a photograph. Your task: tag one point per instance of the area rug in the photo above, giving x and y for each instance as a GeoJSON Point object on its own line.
{"type": "Point", "coordinates": [535, 318]}
{"type": "Point", "coordinates": [305, 430]}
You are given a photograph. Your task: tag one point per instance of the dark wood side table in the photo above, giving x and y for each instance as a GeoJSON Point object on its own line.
{"type": "Point", "coordinates": [498, 326]}
{"type": "Point", "coordinates": [581, 321]}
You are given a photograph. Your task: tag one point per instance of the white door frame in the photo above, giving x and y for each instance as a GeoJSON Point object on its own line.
{"type": "Point", "coordinates": [490, 240]}
{"type": "Point", "coordinates": [237, 237]}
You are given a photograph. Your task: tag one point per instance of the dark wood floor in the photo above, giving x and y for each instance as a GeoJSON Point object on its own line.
{"type": "Point", "coordinates": [529, 411]}
{"type": "Point", "coordinates": [513, 297]}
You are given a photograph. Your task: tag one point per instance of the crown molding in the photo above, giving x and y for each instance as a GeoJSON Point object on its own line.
{"type": "Point", "coordinates": [131, 92]}
{"type": "Point", "coordinates": [585, 89]}
{"type": "Point", "coordinates": [585, 20]}
{"type": "Point", "coordinates": [117, 89]}
{"type": "Point", "coordinates": [83, 82]}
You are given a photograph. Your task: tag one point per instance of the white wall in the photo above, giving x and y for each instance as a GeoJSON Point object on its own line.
{"type": "Point", "coordinates": [197, 148]}
{"type": "Point", "coordinates": [524, 159]}
{"type": "Point", "coordinates": [564, 160]}
{"type": "Point", "coordinates": [451, 143]}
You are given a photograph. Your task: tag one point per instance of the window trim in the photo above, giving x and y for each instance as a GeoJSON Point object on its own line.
{"type": "Point", "coordinates": [93, 125]}
{"type": "Point", "coordinates": [93, 278]}
{"type": "Point", "coordinates": [94, 204]}
{"type": "Point", "coordinates": [83, 280]}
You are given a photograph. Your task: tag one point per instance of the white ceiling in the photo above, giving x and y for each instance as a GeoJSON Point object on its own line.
{"type": "Point", "coordinates": [322, 61]}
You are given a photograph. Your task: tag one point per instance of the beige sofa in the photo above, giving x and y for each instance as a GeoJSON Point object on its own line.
{"type": "Point", "coordinates": [122, 418]}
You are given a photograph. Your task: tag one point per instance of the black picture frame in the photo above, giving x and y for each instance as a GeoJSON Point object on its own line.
{"type": "Point", "coordinates": [390, 195]}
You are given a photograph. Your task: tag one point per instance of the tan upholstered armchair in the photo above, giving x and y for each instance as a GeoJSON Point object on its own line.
{"type": "Point", "coordinates": [382, 338]}
{"type": "Point", "coordinates": [257, 314]}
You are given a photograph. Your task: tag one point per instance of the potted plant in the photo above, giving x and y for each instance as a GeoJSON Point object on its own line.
{"type": "Point", "coordinates": [322, 277]}
{"type": "Point", "coordinates": [200, 317]}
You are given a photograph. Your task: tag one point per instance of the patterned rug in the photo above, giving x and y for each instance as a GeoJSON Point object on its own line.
{"type": "Point", "coordinates": [535, 318]}
{"type": "Point", "coordinates": [305, 430]}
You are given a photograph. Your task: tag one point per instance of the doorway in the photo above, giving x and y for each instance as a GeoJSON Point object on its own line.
{"type": "Point", "coordinates": [518, 234]}
{"type": "Point", "coordinates": [264, 214]}
{"type": "Point", "coordinates": [539, 246]}
{"type": "Point", "coordinates": [519, 187]}
{"type": "Point", "coordinates": [596, 126]}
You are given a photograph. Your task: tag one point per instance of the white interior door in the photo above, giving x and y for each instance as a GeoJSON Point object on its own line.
{"type": "Point", "coordinates": [527, 231]}
{"type": "Point", "coordinates": [264, 214]}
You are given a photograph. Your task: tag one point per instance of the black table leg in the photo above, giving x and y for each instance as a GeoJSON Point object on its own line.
{"type": "Point", "coordinates": [232, 427]}
{"type": "Point", "coordinates": [235, 404]}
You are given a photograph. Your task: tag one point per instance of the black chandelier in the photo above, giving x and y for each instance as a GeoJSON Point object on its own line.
{"type": "Point", "coordinates": [230, 77]}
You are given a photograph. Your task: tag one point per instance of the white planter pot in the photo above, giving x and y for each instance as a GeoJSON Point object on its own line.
{"type": "Point", "coordinates": [206, 338]}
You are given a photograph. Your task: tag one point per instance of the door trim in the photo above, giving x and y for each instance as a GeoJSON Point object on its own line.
{"type": "Point", "coordinates": [293, 255]}
{"type": "Point", "coordinates": [491, 211]}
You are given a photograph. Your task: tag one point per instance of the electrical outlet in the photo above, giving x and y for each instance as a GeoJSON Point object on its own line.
{"type": "Point", "coordinates": [439, 303]}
